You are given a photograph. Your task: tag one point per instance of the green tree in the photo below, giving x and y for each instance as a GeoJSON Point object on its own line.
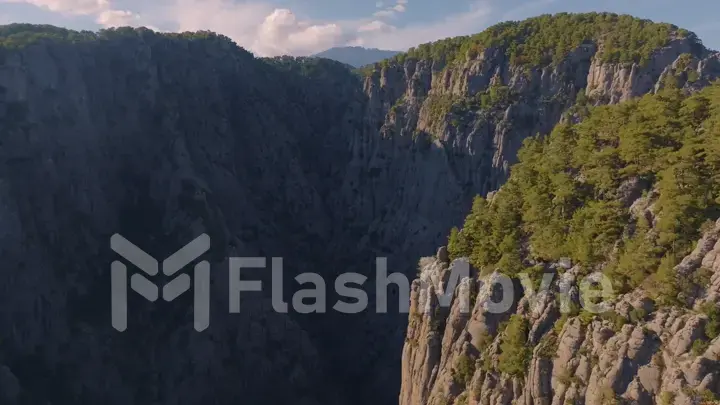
{"type": "Point", "coordinates": [516, 354]}
{"type": "Point", "coordinates": [564, 196]}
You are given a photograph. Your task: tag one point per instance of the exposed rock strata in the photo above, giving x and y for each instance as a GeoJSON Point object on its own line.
{"type": "Point", "coordinates": [653, 359]}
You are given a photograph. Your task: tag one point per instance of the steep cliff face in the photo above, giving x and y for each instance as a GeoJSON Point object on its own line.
{"type": "Point", "coordinates": [439, 134]}
{"type": "Point", "coordinates": [163, 137]}
{"type": "Point", "coordinates": [155, 138]}
{"type": "Point", "coordinates": [643, 214]}
{"type": "Point", "coordinates": [642, 355]}
{"type": "Point", "coordinates": [433, 102]}
{"type": "Point", "coordinates": [448, 133]}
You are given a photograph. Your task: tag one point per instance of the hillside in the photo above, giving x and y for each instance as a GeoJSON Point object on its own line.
{"type": "Point", "coordinates": [631, 191]}
{"type": "Point", "coordinates": [548, 39]}
{"type": "Point", "coordinates": [355, 56]}
{"type": "Point", "coordinates": [161, 137]}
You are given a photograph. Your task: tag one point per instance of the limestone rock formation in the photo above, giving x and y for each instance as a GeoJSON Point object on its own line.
{"type": "Point", "coordinates": [643, 356]}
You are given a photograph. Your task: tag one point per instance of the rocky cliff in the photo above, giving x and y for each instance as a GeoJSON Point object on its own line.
{"type": "Point", "coordinates": [645, 347]}
{"type": "Point", "coordinates": [640, 355]}
{"type": "Point", "coordinates": [163, 137]}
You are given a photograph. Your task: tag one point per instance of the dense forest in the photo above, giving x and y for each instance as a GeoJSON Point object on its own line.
{"type": "Point", "coordinates": [549, 38]}
{"type": "Point", "coordinates": [18, 36]}
{"type": "Point", "coordinates": [570, 194]}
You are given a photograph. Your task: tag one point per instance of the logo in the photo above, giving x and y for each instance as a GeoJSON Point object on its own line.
{"type": "Point", "coordinates": [437, 278]}
{"type": "Point", "coordinates": [170, 266]}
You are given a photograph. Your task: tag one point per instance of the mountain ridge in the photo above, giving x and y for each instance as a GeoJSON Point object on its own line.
{"type": "Point", "coordinates": [355, 56]}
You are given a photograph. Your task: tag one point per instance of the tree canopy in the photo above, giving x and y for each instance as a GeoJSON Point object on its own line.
{"type": "Point", "coordinates": [549, 39]}
{"type": "Point", "coordinates": [15, 36]}
{"type": "Point", "coordinates": [570, 193]}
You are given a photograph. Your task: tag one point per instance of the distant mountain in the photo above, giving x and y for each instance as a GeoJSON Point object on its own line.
{"type": "Point", "coordinates": [356, 56]}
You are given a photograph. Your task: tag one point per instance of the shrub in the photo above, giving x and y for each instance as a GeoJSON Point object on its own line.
{"type": "Point", "coordinates": [516, 355]}
{"type": "Point", "coordinates": [548, 346]}
{"type": "Point", "coordinates": [464, 370]}
{"type": "Point", "coordinates": [458, 245]}
{"type": "Point", "coordinates": [615, 319]}
{"type": "Point", "coordinates": [586, 318]}
{"type": "Point", "coordinates": [699, 346]}
{"type": "Point", "coordinates": [567, 379]}
{"type": "Point", "coordinates": [706, 396]}
{"type": "Point", "coordinates": [487, 364]}
{"type": "Point", "coordinates": [608, 396]}
{"type": "Point", "coordinates": [712, 327]}
{"type": "Point", "coordinates": [637, 315]}
{"type": "Point", "coordinates": [667, 398]}
{"type": "Point", "coordinates": [483, 340]}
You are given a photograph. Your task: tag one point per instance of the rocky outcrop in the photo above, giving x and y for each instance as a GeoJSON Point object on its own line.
{"type": "Point", "coordinates": [639, 354]}
{"type": "Point", "coordinates": [424, 101]}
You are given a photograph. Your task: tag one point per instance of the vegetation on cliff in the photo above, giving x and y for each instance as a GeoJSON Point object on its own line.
{"type": "Point", "coordinates": [515, 353]}
{"type": "Point", "coordinates": [570, 194]}
{"type": "Point", "coordinates": [19, 36]}
{"type": "Point", "coordinates": [550, 38]}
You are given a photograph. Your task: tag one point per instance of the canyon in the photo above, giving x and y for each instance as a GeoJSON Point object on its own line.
{"type": "Point", "coordinates": [162, 137]}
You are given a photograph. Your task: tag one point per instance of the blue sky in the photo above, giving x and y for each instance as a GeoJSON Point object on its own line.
{"type": "Point", "coordinates": [301, 27]}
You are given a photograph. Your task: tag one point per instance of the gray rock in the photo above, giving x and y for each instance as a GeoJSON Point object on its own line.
{"type": "Point", "coordinates": [442, 255]}
{"type": "Point", "coordinates": [9, 386]}
{"type": "Point", "coordinates": [585, 363]}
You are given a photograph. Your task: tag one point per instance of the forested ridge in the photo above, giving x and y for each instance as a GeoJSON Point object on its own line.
{"type": "Point", "coordinates": [570, 194]}
{"type": "Point", "coordinates": [549, 38]}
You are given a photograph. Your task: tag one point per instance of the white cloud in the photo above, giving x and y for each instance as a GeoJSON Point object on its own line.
{"type": "Point", "coordinates": [282, 33]}
{"type": "Point", "coordinates": [401, 38]}
{"type": "Point", "coordinates": [384, 13]}
{"type": "Point", "coordinates": [101, 9]}
{"type": "Point", "coordinates": [76, 7]}
{"type": "Point", "coordinates": [376, 26]}
{"type": "Point", "coordinates": [389, 12]}
{"type": "Point", "coordinates": [117, 18]}
{"type": "Point", "coordinates": [238, 21]}
{"type": "Point", "coordinates": [258, 27]}
{"type": "Point", "coordinates": [266, 30]}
